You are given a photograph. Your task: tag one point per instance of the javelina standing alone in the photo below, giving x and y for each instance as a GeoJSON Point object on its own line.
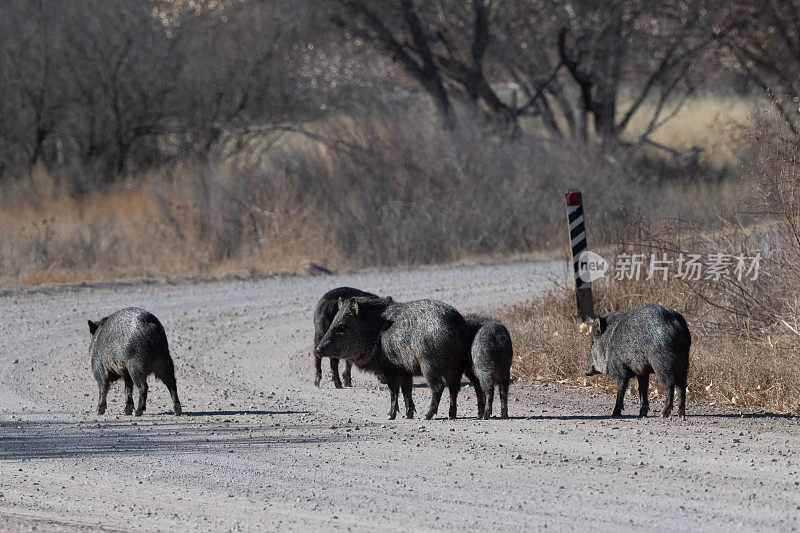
{"type": "Point", "coordinates": [131, 344]}
{"type": "Point", "coordinates": [401, 340]}
{"type": "Point", "coordinates": [327, 308]}
{"type": "Point", "coordinates": [648, 339]}
{"type": "Point", "coordinates": [490, 362]}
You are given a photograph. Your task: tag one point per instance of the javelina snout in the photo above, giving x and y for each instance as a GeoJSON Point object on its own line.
{"type": "Point", "coordinates": [131, 344]}
{"type": "Point", "coordinates": [649, 339]}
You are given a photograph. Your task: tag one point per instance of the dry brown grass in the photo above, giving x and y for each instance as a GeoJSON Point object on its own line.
{"type": "Point", "coordinates": [159, 229]}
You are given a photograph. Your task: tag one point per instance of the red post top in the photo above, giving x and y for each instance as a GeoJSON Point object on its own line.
{"type": "Point", "coordinates": [574, 198]}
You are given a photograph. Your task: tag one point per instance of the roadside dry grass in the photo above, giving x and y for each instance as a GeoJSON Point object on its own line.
{"type": "Point", "coordinates": [157, 229]}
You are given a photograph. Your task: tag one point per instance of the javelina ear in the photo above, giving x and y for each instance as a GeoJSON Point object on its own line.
{"type": "Point", "coordinates": [93, 327]}
{"type": "Point", "coordinates": [353, 305]}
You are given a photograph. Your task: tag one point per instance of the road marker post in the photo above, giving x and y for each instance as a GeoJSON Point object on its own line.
{"type": "Point", "coordinates": [577, 238]}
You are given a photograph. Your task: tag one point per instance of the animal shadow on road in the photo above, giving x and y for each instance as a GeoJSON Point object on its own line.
{"type": "Point", "coordinates": [238, 413]}
{"type": "Point", "coordinates": [579, 417]}
{"type": "Point", "coordinates": [143, 437]}
{"type": "Point", "coordinates": [658, 416]}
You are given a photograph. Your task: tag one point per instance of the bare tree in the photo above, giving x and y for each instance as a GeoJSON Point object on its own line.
{"type": "Point", "coordinates": [31, 98]}
{"type": "Point", "coordinates": [575, 62]}
{"type": "Point", "coordinates": [766, 46]}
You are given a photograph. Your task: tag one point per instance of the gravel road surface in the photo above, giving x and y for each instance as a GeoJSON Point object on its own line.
{"type": "Point", "coordinates": [261, 449]}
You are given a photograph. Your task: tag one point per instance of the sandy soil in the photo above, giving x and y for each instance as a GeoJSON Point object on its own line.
{"type": "Point", "coordinates": [262, 449]}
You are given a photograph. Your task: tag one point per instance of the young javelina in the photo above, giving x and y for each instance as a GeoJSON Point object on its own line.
{"type": "Point", "coordinates": [489, 362]}
{"type": "Point", "coordinates": [327, 308]}
{"type": "Point", "coordinates": [401, 340]}
{"type": "Point", "coordinates": [648, 339]}
{"type": "Point", "coordinates": [131, 344]}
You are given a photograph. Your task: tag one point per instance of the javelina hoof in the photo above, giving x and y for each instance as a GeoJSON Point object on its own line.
{"type": "Point", "coordinates": [616, 414]}
{"type": "Point", "coordinates": [317, 379]}
{"type": "Point", "coordinates": [337, 384]}
{"type": "Point", "coordinates": [348, 382]}
{"type": "Point", "coordinates": [390, 416]}
{"type": "Point", "coordinates": [139, 412]}
{"type": "Point", "coordinates": [429, 415]}
{"type": "Point", "coordinates": [503, 414]}
{"type": "Point", "coordinates": [643, 412]}
{"type": "Point", "coordinates": [101, 410]}
{"type": "Point", "coordinates": [667, 411]}
{"type": "Point", "coordinates": [129, 409]}
{"type": "Point", "coordinates": [178, 410]}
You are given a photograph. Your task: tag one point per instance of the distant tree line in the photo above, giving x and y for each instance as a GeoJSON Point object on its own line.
{"type": "Point", "coordinates": [97, 91]}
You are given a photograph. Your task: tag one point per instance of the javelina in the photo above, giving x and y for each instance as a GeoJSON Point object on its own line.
{"type": "Point", "coordinates": [489, 362]}
{"type": "Point", "coordinates": [326, 309]}
{"type": "Point", "coordinates": [131, 344]}
{"type": "Point", "coordinates": [648, 339]}
{"type": "Point", "coordinates": [401, 340]}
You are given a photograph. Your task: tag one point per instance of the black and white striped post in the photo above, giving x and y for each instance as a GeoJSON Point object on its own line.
{"type": "Point", "coordinates": [577, 238]}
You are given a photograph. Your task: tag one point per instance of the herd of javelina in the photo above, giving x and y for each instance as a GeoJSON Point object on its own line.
{"type": "Point", "coordinates": [399, 340]}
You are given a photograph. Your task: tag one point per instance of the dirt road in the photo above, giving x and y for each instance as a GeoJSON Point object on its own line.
{"type": "Point", "coordinates": [262, 449]}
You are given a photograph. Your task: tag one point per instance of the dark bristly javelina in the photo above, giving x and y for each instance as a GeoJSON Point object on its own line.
{"type": "Point", "coordinates": [649, 339]}
{"type": "Point", "coordinates": [326, 309]}
{"type": "Point", "coordinates": [131, 344]}
{"type": "Point", "coordinates": [490, 362]}
{"type": "Point", "coordinates": [401, 340]}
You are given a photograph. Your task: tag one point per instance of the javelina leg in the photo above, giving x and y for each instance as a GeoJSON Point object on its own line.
{"type": "Point", "coordinates": [317, 370]}
{"type": "Point", "coordinates": [335, 372]}
{"type": "Point", "coordinates": [393, 382]}
{"type": "Point", "coordinates": [487, 385]}
{"type": "Point", "coordinates": [479, 392]}
{"type": "Point", "coordinates": [128, 393]}
{"type": "Point", "coordinates": [644, 384]}
{"type": "Point", "coordinates": [101, 402]}
{"type": "Point", "coordinates": [669, 389]}
{"type": "Point", "coordinates": [504, 400]}
{"type": "Point", "coordinates": [347, 375]}
{"type": "Point", "coordinates": [141, 384]}
{"type": "Point", "coordinates": [437, 388]}
{"type": "Point", "coordinates": [406, 385]}
{"type": "Point", "coordinates": [167, 376]}
{"type": "Point", "coordinates": [622, 386]}
{"type": "Point", "coordinates": [454, 386]}
{"type": "Point", "coordinates": [682, 400]}
{"type": "Point", "coordinates": [487, 414]}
